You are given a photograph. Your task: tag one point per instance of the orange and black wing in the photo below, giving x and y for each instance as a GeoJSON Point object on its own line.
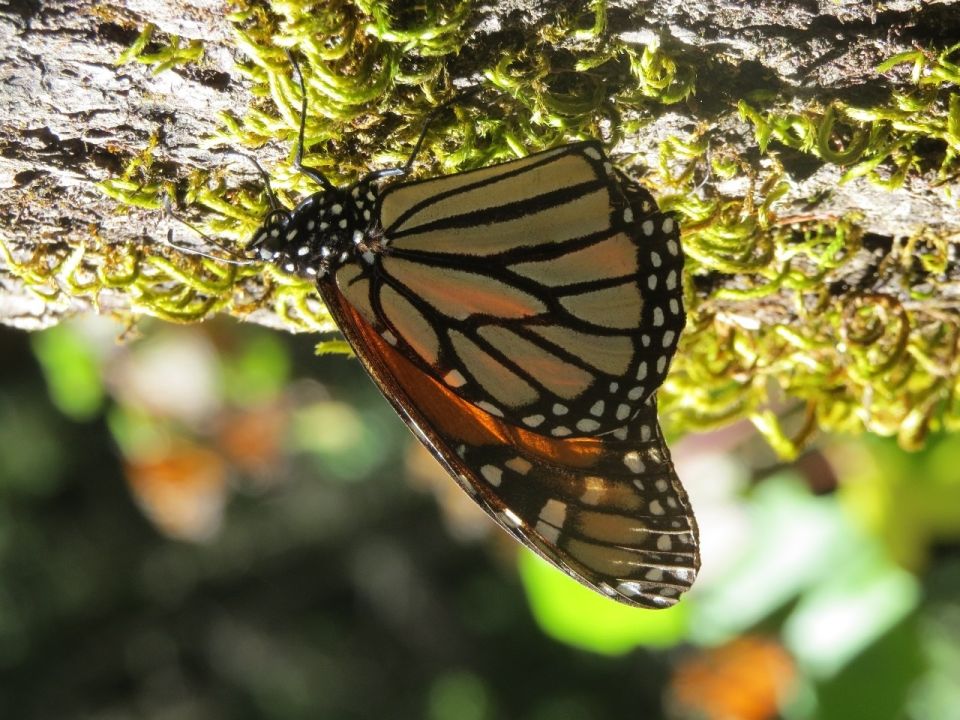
{"type": "Point", "coordinates": [545, 291]}
{"type": "Point", "coordinates": [608, 511]}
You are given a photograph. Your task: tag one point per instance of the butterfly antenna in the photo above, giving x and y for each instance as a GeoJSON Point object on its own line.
{"type": "Point", "coordinates": [467, 92]}
{"type": "Point", "coordinates": [232, 259]}
{"type": "Point", "coordinates": [405, 169]}
{"type": "Point", "coordinates": [264, 177]}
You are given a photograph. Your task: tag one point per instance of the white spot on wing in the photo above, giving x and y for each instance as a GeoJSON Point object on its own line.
{"type": "Point", "coordinates": [519, 465]}
{"type": "Point", "coordinates": [455, 379]}
{"type": "Point", "coordinates": [548, 532]}
{"type": "Point", "coordinates": [490, 408]}
{"type": "Point", "coordinates": [554, 512]}
{"type": "Point", "coordinates": [633, 462]}
{"type": "Point", "coordinates": [492, 474]}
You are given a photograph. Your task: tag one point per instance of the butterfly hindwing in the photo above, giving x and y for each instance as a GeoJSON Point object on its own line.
{"type": "Point", "coordinates": [609, 512]}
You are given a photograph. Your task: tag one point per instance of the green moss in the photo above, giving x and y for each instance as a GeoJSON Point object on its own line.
{"type": "Point", "coordinates": [769, 312]}
{"type": "Point", "coordinates": [884, 362]}
{"type": "Point", "coordinates": [163, 57]}
{"type": "Point", "coordinates": [879, 142]}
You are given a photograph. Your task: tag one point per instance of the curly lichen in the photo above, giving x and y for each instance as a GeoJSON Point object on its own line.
{"type": "Point", "coordinates": [883, 140]}
{"type": "Point", "coordinates": [776, 332]}
{"type": "Point", "coordinates": [879, 357]}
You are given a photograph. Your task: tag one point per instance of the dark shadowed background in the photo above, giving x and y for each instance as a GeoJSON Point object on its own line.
{"type": "Point", "coordinates": [193, 526]}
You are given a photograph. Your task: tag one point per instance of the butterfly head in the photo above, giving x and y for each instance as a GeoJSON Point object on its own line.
{"type": "Point", "coordinates": [326, 230]}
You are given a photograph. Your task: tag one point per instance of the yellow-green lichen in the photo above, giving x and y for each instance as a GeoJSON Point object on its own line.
{"type": "Point", "coordinates": [164, 57]}
{"type": "Point", "coordinates": [886, 361]}
{"type": "Point", "coordinates": [883, 140]}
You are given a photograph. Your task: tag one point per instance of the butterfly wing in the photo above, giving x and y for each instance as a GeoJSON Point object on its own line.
{"type": "Point", "coordinates": [545, 291]}
{"type": "Point", "coordinates": [609, 512]}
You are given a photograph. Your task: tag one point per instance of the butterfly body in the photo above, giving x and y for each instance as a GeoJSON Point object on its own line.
{"type": "Point", "coordinates": [326, 230]}
{"type": "Point", "coordinates": [520, 319]}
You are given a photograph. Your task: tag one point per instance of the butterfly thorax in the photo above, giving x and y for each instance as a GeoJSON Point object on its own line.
{"type": "Point", "coordinates": [326, 230]}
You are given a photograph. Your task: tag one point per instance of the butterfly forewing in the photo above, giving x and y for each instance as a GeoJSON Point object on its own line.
{"type": "Point", "coordinates": [521, 288]}
{"type": "Point", "coordinates": [609, 512]}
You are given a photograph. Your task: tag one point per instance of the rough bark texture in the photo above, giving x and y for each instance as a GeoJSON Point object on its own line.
{"type": "Point", "coordinates": [69, 116]}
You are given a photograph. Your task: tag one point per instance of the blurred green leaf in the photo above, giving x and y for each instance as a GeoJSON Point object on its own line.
{"type": "Point", "coordinates": [71, 370]}
{"type": "Point", "coordinates": [459, 696]}
{"type": "Point", "coordinates": [876, 685]}
{"type": "Point", "coordinates": [571, 613]}
{"type": "Point", "coordinates": [30, 455]}
{"type": "Point", "coordinates": [258, 371]}
{"type": "Point", "coordinates": [795, 536]}
{"type": "Point", "coordinates": [348, 443]}
{"type": "Point", "coordinates": [136, 432]}
{"type": "Point", "coordinates": [857, 603]}
{"type": "Point", "coordinates": [909, 500]}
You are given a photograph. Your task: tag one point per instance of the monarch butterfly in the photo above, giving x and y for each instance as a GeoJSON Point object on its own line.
{"type": "Point", "coordinates": [519, 318]}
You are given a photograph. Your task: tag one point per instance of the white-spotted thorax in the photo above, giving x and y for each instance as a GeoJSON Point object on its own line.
{"type": "Point", "coordinates": [326, 230]}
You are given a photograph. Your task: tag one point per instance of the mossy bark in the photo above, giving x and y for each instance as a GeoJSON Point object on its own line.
{"type": "Point", "coordinates": [69, 116]}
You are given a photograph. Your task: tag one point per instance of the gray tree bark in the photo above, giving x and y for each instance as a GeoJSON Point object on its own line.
{"type": "Point", "coordinates": [70, 117]}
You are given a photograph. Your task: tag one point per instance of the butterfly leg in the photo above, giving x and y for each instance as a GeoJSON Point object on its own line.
{"type": "Point", "coordinates": [312, 173]}
{"type": "Point", "coordinates": [427, 122]}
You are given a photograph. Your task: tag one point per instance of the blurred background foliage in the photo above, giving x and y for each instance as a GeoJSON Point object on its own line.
{"type": "Point", "coordinates": [297, 554]}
